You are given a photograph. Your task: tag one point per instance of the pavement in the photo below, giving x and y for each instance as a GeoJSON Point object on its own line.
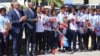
{"type": "Point", "coordinates": [89, 53]}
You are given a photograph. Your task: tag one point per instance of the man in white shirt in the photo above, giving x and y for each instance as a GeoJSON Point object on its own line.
{"type": "Point", "coordinates": [4, 30]}
{"type": "Point", "coordinates": [81, 22]}
{"type": "Point", "coordinates": [97, 25]}
{"type": "Point", "coordinates": [62, 21]}
{"type": "Point", "coordinates": [73, 31]}
{"type": "Point", "coordinates": [92, 27]}
{"type": "Point", "coordinates": [39, 31]}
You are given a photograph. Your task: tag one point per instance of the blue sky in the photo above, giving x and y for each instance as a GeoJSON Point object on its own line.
{"type": "Point", "coordinates": [68, 1]}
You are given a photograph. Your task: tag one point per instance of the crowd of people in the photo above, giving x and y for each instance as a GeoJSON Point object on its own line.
{"type": "Point", "coordinates": [42, 25]}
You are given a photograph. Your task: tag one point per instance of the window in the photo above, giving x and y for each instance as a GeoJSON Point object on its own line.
{"type": "Point", "coordinates": [29, 0]}
{"type": "Point", "coordinates": [86, 1]}
{"type": "Point", "coordinates": [5, 0]}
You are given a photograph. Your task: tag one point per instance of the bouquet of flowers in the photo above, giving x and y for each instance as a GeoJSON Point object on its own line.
{"type": "Point", "coordinates": [53, 20]}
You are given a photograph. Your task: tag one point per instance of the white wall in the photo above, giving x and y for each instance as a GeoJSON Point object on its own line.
{"type": "Point", "coordinates": [94, 1]}
{"type": "Point", "coordinates": [6, 4]}
{"type": "Point", "coordinates": [21, 2]}
{"type": "Point", "coordinates": [90, 1]}
{"type": "Point", "coordinates": [78, 1]}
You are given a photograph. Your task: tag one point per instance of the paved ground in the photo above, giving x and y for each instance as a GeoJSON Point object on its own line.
{"type": "Point", "coordinates": [92, 53]}
{"type": "Point", "coordinates": [89, 53]}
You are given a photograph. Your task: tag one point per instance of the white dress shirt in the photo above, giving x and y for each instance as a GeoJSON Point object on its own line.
{"type": "Point", "coordinates": [54, 24]}
{"type": "Point", "coordinates": [91, 19]}
{"type": "Point", "coordinates": [72, 16]}
{"type": "Point", "coordinates": [39, 24]}
{"type": "Point", "coordinates": [3, 22]}
{"type": "Point", "coordinates": [73, 26]}
{"type": "Point", "coordinates": [61, 17]}
{"type": "Point", "coordinates": [47, 23]}
{"type": "Point", "coordinates": [17, 12]}
{"type": "Point", "coordinates": [83, 17]}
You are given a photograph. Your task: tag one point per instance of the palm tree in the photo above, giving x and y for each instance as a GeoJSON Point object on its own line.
{"type": "Point", "coordinates": [57, 2]}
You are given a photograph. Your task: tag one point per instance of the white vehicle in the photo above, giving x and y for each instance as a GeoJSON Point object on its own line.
{"type": "Point", "coordinates": [50, 7]}
{"type": "Point", "coordinates": [93, 5]}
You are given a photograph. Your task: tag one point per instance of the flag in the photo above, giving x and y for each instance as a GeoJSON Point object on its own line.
{"type": "Point", "coordinates": [63, 41]}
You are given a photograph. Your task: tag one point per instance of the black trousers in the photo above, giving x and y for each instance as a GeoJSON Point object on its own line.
{"type": "Point", "coordinates": [86, 40]}
{"type": "Point", "coordinates": [30, 38]}
{"type": "Point", "coordinates": [93, 37]}
{"type": "Point", "coordinates": [69, 40]}
{"type": "Point", "coordinates": [3, 44]}
{"type": "Point", "coordinates": [73, 35]}
{"type": "Point", "coordinates": [54, 40]}
{"type": "Point", "coordinates": [98, 42]}
{"type": "Point", "coordinates": [80, 43]}
{"type": "Point", "coordinates": [39, 41]}
{"type": "Point", "coordinates": [47, 40]}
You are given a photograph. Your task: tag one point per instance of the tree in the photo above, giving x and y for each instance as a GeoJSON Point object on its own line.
{"type": "Point", "coordinates": [48, 2]}
{"type": "Point", "coordinates": [57, 2]}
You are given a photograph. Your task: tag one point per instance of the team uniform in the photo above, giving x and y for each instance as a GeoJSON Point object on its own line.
{"type": "Point", "coordinates": [55, 37]}
{"type": "Point", "coordinates": [3, 38]}
{"type": "Point", "coordinates": [73, 27]}
{"type": "Point", "coordinates": [48, 33]}
{"type": "Point", "coordinates": [97, 30]}
{"type": "Point", "coordinates": [39, 32]}
{"type": "Point", "coordinates": [62, 18]}
{"type": "Point", "coordinates": [82, 31]}
{"type": "Point", "coordinates": [91, 30]}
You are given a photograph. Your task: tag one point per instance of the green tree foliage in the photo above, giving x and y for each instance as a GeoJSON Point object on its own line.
{"type": "Point", "coordinates": [57, 2]}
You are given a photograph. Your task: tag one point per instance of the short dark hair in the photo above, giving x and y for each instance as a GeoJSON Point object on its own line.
{"type": "Point", "coordinates": [82, 7]}
{"type": "Point", "coordinates": [52, 11]}
{"type": "Point", "coordinates": [1, 9]}
{"type": "Point", "coordinates": [45, 10]}
{"type": "Point", "coordinates": [62, 7]}
{"type": "Point", "coordinates": [93, 9]}
{"type": "Point", "coordinates": [37, 7]}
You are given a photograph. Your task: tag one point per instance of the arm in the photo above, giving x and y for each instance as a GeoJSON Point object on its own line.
{"type": "Point", "coordinates": [11, 17]}
{"type": "Point", "coordinates": [8, 26]}
{"type": "Point", "coordinates": [30, 19]}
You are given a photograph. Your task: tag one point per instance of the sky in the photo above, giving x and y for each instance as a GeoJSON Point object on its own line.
{"type": "Point", "coordinates": [68, 1]}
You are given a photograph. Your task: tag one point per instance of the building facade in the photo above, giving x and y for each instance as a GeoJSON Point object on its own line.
{"type": "Point", "coordinates": [82, 1]}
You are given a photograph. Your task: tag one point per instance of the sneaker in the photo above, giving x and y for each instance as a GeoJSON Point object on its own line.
{"type": "Point", "coordinates": [53, 51]}
{"type": "Point", "coordinates": [56, 50]}
{"type": "Point", "coordinates": [45, 52]}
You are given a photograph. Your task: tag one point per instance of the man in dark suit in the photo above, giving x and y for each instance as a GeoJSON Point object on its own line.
{"type": "Point", "coordinates": [17, 20]}
{"type": "Point", "coordinates": [30, 28]}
